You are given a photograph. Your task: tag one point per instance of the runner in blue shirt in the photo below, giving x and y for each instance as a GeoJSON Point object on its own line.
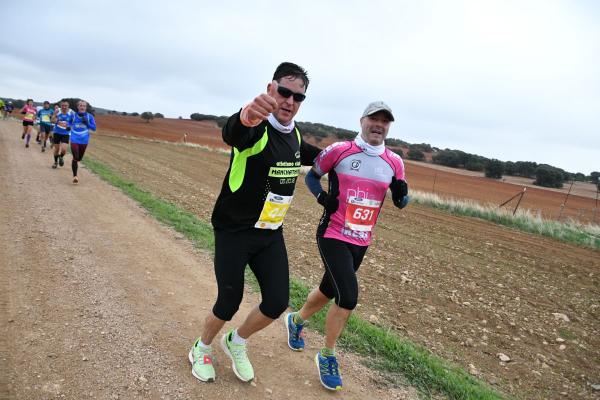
{"type": "Point", "coordinates": [44, 116]}
{"type": "Point", "coordinates": [62, 119]}
{"type": "Point", "coordinates": [8, 109]}
{"type": "Point", "coordinates": [83, 123]}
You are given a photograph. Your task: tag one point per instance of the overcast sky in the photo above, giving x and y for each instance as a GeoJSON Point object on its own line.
{"type": "Point", "coordinates": [513, 80]}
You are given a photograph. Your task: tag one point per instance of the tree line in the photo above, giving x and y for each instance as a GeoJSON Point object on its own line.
{"type": "Point", "coordinates": [544, 174]}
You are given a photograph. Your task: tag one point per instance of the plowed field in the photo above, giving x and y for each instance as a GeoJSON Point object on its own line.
{"type": "Point", "coordinates": [465, 288]}
{"type": "Point", "coordinates": [446, 182]}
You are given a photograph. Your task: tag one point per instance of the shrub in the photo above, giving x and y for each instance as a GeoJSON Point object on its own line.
{"type": "Point", "coordinates": [449, 158]}
{"type": "Point", "coordinates": [494, 169]}
{"type": "Point", "coordinates": [548, 176]}
{"type": "Point", "coordinates": [415, 154]}
{"type": "Point", "coordinates": [147, 116]}
{"type": "Point", "coordinates": [474, 165]}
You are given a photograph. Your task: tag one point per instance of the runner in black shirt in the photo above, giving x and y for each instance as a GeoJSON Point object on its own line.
{"type": "Point", "coordinates": [267, 151]}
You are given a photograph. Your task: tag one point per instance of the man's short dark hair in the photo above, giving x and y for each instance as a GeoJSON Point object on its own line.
{"type": "Point", "coordinates": [290, 69]}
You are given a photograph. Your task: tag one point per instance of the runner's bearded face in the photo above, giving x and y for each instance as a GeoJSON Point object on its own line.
{"type": "Point", "coordinates": [288, 107]}
{"type": "Point", "coordinates": [374, 128]}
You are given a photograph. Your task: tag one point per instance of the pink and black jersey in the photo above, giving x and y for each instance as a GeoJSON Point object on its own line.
{"type": "Point", "coordinates": [30, 113]}
{"type": "Point", "coordinates": [360, 182]}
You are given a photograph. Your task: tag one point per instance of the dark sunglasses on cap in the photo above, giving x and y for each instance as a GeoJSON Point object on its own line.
{"type": "Point", "coordinates": [285, 92]}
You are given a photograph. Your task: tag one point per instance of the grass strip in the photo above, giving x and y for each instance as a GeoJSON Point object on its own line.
{"type": "Point", "coordinates": [586, 235]}
{"type": "Point", "coordinates": [184, 222]}
{"type": "Point", "coordinates": [384, 349]}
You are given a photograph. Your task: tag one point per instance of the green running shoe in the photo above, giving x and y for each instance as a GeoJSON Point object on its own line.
{"type": "Point", "coordinates": [239, 359]}
{"type": "Point", "coordinates": [202, 366]}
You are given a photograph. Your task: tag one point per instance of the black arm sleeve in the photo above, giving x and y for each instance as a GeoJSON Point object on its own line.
{"type": "Point", "coordinates": [308, 153]}
{"type": "Point", "coordinates": [237, 135]}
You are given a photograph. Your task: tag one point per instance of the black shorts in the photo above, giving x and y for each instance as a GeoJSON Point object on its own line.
{"type": "Point", "coordinates": [58, 138]}
{"type": "Point", "coordinates": [341, 261]}
{"type": "Point", "coordinates": [264, 251]}
{"type": "Point", "coordinates": [46, 129]}
{"type": "Point", "coordinates": [27, 123]}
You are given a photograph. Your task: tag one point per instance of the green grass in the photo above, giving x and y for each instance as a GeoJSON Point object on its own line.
{"type": "Point", "coordinates": [382, 349]}
{"type": "Point", "coordinates": [182, 221]}
{"type": "Point", "coordinates": [587, 235]}
{"type": "Point", "coordinates": [566, 334]}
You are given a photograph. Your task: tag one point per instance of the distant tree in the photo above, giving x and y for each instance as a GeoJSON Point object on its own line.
{"type": "Point", "coordinates": [135, 114]}
{"type": "Point", "coordinates": [73, 104]}
{"type": "Point", "coordinates": [124, 113]}
{"type": "Point", "coordinates": [526, 169]}
{"type": "Point", "coordinates": [322, 130]}
{"type": "Point", "coordinates": [158, 115]}
{"type": "Point", "coordinates": [18, 103]}
{"type": "Point", "coordinates": [579, 177]}
{"type": "Point", "coordinates": [415, 153]}
{"type": "Point", "coordinates": [595, 177]}
{"type": "Point", "coordinates": [494, 169]}
{"type": "Point", "coordinates": [424, 147]}
{"type": "Point", "coordinates": [392, 142]}
{"type": "Point", "coordinates": [147, 116]}
{"type": "Point", "coordinates": [398, 151]}
{"type": "Point", "coordinates": [548, 176]}
{"type": "Point", "coordinates": [509, 168]}
{"type": "Point", "coordinates": [447, 157]}
{"type": "Point", "coordinates": [221, 121]}
{"type": "Point", "coordinates": [180, 117]}
{"type": "Point", "coordinates": [475, 165]}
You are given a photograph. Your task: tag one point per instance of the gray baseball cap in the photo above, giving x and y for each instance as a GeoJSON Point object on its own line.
{"type": "Point", "coordinates": [377, 106]}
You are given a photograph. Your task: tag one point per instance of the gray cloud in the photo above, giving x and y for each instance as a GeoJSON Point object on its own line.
{"type": "Point", "coordinates": [514, 81]}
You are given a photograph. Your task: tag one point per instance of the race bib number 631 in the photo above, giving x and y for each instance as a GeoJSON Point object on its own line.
{"type": "Point", "coordinates": [361, 213]}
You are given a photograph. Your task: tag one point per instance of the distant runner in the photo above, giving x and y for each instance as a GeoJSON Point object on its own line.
{"type": "Point", "coordinates": [29, 112]}
{"type": "Point", "coordinates": [45, 123]}
{"type": "Point", "coordinates": [360, 173]}
{"type": "Point", "coordinates": [266, 155]}
{"type": "Point", "coordinates": [8, 109]}
{"type": "Point", "coordinates": [83, 123]}
{"type": "Point", "coordinates": [63, 120]}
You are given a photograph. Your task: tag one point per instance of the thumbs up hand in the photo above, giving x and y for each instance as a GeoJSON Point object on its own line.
{"type": "Point", "coordinates": [259, 109]}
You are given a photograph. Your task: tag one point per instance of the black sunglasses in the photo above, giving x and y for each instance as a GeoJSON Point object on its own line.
{"type": "Point", "coordinates": [285, 92]}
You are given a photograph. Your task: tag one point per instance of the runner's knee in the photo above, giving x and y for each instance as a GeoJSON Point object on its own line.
{"type": "Point", "coordinates": [347, 302]}
{"type": "Point", "coordinates": [227, 304]}
{"type": "Point", "coordinates": [274, 306]}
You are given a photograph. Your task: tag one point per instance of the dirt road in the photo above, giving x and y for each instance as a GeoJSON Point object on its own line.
{"type": "Point", "coordinates": [464, 288]}
{"type": "Point", "coordinates": [100, 301]}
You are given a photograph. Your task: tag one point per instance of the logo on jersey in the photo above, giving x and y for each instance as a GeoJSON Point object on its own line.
{"type": "Point", "coordinates": [355, 165]}
{"type": "Point", "coordinates": [297, 155]}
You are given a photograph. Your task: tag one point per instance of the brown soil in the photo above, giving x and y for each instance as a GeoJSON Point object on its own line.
{"type": "Point", "coordinates": [100, 301]}
{"type": "Point", "coordinates": [447, 182]}
{"type": "Point", "coordinates": [464, 288]}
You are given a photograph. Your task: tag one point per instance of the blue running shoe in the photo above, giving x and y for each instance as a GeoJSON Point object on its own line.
{"type": "Point", "coordinates": [294, 331]}
{"type": "Point", "coordinates": [329, 373]}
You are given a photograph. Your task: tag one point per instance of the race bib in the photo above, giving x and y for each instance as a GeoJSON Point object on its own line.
{"type": "Point", "coordinates": [29, 116]}
{"type": "Point", "coordinates": [361, 214]}
{"type": "Point", "coordinates": [62, 124]}
{"type": "Point", "coordinates": [273, 212]}
{"type": "Point", "coordinates": [45, 118]}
